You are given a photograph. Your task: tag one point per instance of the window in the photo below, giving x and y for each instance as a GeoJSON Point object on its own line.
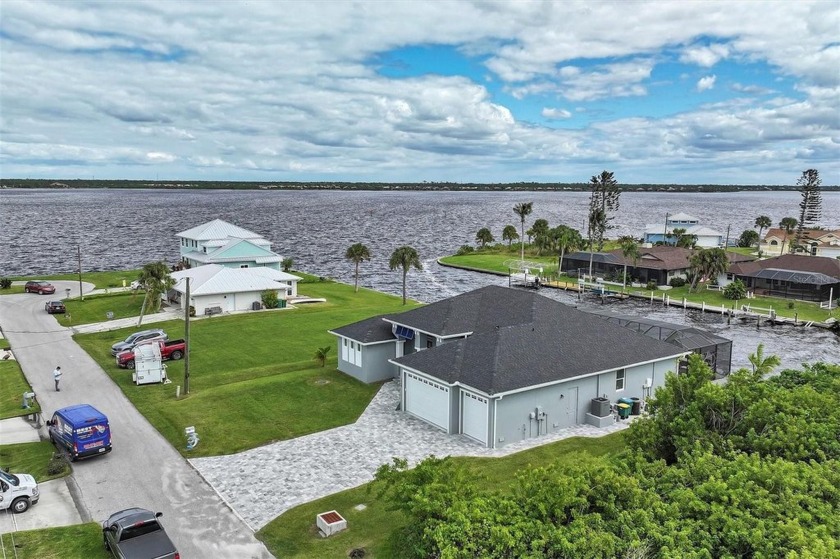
{"type": "Point", "coordinates": [619, 380]}
{"type": "Point", "coordinates": [774, 242]}
{"type": "Point", "coordinates": [430, 343]}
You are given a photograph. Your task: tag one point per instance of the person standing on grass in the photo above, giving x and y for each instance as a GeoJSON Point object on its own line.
{"type": "Point", "coordinates": [57, 378]}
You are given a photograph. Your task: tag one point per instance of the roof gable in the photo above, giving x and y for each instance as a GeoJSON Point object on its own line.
{"type": "Point", "coordinates": [240, 248]}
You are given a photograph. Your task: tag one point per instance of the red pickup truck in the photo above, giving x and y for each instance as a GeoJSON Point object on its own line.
{"type": "Point", "coordinates": [171, 349]}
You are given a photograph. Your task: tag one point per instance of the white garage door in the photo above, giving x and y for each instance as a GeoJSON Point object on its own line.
{"type": "Point", "coordinates": [427, 400]}
{"type": "Point", "coordinates": [474, 416]}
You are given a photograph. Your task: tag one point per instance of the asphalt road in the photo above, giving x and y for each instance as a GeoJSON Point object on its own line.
{"type": "Point", "coordinates": [143, 470]}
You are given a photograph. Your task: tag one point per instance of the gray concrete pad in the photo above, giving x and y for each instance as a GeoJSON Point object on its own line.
{"type": "Point", "coordinates": [18, 430]}
{"type": "Point", "coordinates": [262, 483]}
{"type": "Point", "coordinates": [54, 508]}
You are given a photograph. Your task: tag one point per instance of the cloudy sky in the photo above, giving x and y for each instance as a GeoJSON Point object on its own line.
{"type": "Point", "coordinates": [486, 91]}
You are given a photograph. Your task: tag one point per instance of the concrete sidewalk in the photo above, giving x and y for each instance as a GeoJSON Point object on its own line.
{"type": "Point", "coordinates": [18, 430]}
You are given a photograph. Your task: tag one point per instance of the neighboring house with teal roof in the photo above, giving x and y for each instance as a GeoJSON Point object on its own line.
{"type": "Point", "coordinates": [220, 242]}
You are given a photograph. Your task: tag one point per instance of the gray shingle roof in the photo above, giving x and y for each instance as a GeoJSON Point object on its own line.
{"type": "Point", "coordinates": [369, 330]}
{"type": "Point", "coordinates": [542, 341]}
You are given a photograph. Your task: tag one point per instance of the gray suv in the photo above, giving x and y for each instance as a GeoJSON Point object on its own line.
{"type": "Point", "coordinates": [137, 337]}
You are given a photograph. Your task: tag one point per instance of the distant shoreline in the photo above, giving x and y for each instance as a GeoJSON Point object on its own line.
{"type": "Point", "coordinates": [381, 186]}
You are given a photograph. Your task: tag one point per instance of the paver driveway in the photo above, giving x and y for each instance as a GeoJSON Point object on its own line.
{"type": "Point", "coordinates": [262, 483]}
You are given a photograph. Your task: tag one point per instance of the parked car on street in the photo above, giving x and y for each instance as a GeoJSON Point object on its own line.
{"type": "Point", "coordinates": [137, 337]}
{"type": "Point", "coordinates": [55, 307]}
{"type": "Point", "coordinates": [136, 534]}
{"type": "Point", "coordinates": [17, 491]}
{"type": "Point", "coordinates": [135, 285]}
{"type": "Point", "coordinates": [40, 287]}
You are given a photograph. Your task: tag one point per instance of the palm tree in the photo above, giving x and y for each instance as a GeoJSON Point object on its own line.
{"type": "Point", "coordinates": [357, 253]}
{"type": "Point", "coordinates": [321, 355]}
{"type": "Point", "coordinates": [155, 279]}
{"type": "Point", "coordinates": [287, 264]}
{"type": "Point", "coordinates": [709, 263]}
{"type": "Point", "coordinates": [761, 222]}
{"type": "Point", "coordinates": [523, 210]}
{"type": "Point", "coordinates": [763, 365]}
{"type": "Point", "coordinates": [629, 249]}
{"type": "Point", "coordinates": [540, 231]}
{"type": "Point", "coordinates": [565, 239]}
{"type": "Point", "coordinates": [405, 257]}
{"type": "Point", "coordinates": [484, 236]}
{"type": "Point", "coordinates": [509, 234]}
{"type": "Point", "coordinates": [788, 224]}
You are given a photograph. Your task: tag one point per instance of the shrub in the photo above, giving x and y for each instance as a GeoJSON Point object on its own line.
{"type": "Point", "coordinates": [651, 285]}
{"type": "Point", "coordinates": [791, 305]}
{"type": "Point", "coordinates": [269, 299]}
{"type": "Point", "coordinates": [287, 264]}
{"type": "Point", "coordinates": [57, 464]}
{"type": "Point", "coordinates": [465, 249]}
{"type": "Point", "coordinates": [5, 283]}
{"type": "Point", "coordinates": [677, 282]}
{"type": "Point", "coordinates": [192, 310]}
{"type": "Point", "coordinates": [735, 290]}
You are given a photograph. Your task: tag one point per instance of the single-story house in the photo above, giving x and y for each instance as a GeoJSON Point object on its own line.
{"type": "Point", "coordinates": [220, 242]}
{"type": "Point", "coordinates": [658, 264]}
{"type": "Point", "coordinates": [664, 232]}
{"type": "Point", "coordinates": [500, 365]}
{"type": "Point", "coordinates": [792, 276]}
{"type": "Point", "coordinates": [817, 242]}
{"type": "Point", "coordinates": [231, 289]}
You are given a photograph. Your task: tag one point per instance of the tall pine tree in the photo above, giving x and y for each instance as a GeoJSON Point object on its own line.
{"type": "Point", "coordinates": [810, 207]}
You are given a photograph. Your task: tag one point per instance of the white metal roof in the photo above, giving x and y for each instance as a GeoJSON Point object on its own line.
{"type": "Point", "coordinates": [217, 229]}
{"type": "Point", "coordinates": [212, 279]}
{"type": "Point", "coordinates": [699, 230]}
{"type": "Point", "coordinates": [681, 216]}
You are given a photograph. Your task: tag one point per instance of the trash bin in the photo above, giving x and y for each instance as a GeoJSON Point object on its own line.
{"type": "Point", "coordinates": [281, 304]}
{"type": "Point", "coordinates": [637, 406]}
{"type": "Point", "coordinates": [624, 410]}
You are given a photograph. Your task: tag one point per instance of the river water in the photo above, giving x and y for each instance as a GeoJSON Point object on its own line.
{"type": "Point", "coordinates": [40, 230]}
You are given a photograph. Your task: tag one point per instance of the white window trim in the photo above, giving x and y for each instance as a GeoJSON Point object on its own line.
{"type": "Point", "coordinates": [622, 379]}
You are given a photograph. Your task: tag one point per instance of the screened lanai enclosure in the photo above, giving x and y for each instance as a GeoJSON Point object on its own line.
{"type": "Point", "coordinates": [807, 286]}
{"type": "Point", "coordinates": [716, 350]}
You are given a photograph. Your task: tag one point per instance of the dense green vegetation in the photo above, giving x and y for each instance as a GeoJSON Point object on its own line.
{"type": "Point", "coordinates": [82, 541]}
{"type": "Point", "coordinates": [338, 185]}
{"type": "Point", "coordinates": [377, 528]}
{"type": "Point", "coordinates": [253, 377]}
{"type": "Point", "coordinates": [750, 468]}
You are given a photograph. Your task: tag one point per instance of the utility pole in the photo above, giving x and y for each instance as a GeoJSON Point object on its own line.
{"type": "Point", "coordinates": [726, 244]}
{"type": "Point", "coordinates": [187, 339]}
{"type": "Point", "coordinates": [79, 252]}
{"type": "Point", "coordinates": [665, 236]}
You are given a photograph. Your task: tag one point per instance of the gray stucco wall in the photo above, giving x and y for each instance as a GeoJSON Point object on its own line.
{"type": "Point", "coordinates": [511, 412]}
{"type": "Point", "coordinates": [375, 366]}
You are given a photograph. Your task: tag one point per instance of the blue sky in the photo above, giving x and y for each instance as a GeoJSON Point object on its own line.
{"type": "Point", "coordinates": [502, 91]}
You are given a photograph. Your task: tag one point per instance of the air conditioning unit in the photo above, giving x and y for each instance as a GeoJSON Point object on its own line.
{"type": "Point", "coordinates": [256, 305]}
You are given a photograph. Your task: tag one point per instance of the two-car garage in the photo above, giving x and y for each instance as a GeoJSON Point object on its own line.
{"type": "Point", "coordinates": [430, 401]}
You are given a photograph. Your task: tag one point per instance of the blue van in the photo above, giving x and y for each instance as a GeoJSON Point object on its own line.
{"type": "Point", "coordinates": [81, 430]}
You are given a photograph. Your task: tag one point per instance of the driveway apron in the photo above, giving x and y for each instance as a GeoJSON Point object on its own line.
{"type": "Point", "coordinates": [143, 470]}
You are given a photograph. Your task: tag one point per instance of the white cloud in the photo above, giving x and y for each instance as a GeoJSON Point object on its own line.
{"type": "Point", "coordinates": [274, 92]}
{"type": "Point", "coordinates": [706, 82]}
{"type": "Point", "coordinates": [705, 56]}
{"type": "Point", "coordinates": [556, 114]}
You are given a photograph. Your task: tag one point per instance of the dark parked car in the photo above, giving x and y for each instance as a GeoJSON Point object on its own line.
{"type": "Point", "coordinates": [55, 307]}
{"type": "Point", "coordinates": [41, 287]}
{"type": "Point", "coordinates": [136, 534]}
{"type": "Point", "coordinates": [137, 337]}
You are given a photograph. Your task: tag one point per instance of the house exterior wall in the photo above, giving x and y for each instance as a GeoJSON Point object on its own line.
{"type": "Point", "coordinates": [228, 301]}
{"type": "Point", "coordinates": [375, 366]}
{"type": "Point", "coordinates": [510, 414]}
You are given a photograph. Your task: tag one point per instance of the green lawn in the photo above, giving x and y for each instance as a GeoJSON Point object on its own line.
{"type": "Point", "coordinates": [293, 534]}
{"type": "Point", "coordinates": [12, 386]}
{"type": "Point", "coordinates": [494, 261]}
{"type": "Point", "coordinates": [82, 541]}
{"type": "Point", "coordinates": [94, 308]}
{"type": "Point", "coordinates": [253, 376]}
{"type": "Point", "coordinates": [31, 458]}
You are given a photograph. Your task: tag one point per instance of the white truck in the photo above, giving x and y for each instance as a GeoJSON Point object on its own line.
{"type": "Point", "coordinates": [17, 491]}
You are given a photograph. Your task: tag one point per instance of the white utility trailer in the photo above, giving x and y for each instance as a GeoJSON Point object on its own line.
{"type": "Point", "coordinates": [148, 365]}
